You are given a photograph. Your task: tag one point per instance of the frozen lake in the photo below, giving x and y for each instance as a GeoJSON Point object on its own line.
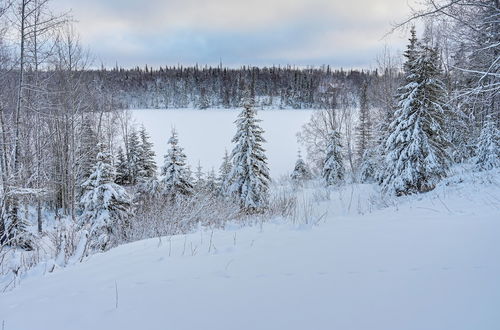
{"type": "Point", "coordinates": [205, 134]}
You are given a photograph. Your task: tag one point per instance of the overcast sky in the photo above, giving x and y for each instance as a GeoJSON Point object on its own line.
{"type": "Point", "coordinates": [341, 33]}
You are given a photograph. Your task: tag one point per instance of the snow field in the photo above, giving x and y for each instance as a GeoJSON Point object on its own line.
{"type": "Point", "coordinates": [427, 262]}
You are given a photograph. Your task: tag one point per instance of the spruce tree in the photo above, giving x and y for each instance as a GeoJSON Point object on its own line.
{"type": "Point", "coordinates": [86, 153]}
{"type": "Point", "coordinates": [488, 147]}
{"type": "Point", "coordinates": [148, 192]}
{"type": "Point", "coordinates": [134, 157]}
{"type": "Point", "coordinates": [211, 184]}
{"type": "Point", "coordinates": [224, 171]}
{"type": "Point", "coordinates": [17, 231]}
{"type": "Point", "coordinates": [333, 168]}
{"type": "Point", "coordinates": [176, 178]}
{"type": "Point", "coordinates": [199, 178]}
{"type": "Point", "coordinates": [364, 134]}
{"type": "Point", "coordinates": [367, 159]}
{"type": "Point", "coordinates": [368, 171]}
{"type": "Point", "coordinates": [301, 171]}
{"type": "Point", "coordinates": [249, 177]}
{"type": "Point", "coordinates": [147, 163]}
{"type": "Point", "coordinates": [121, 177]}
{"type": "Point", "coordinates": [383, 126]}
{"type": "Point", "coordinates": [416, 157]}
{"type": "Point", "coordinates": [203, 101]}
{"type": "Point", "coordinates": [106, 206]}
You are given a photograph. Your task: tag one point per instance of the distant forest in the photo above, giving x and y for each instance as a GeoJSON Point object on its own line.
{"type": "Point", "coordinates": [218, 87]}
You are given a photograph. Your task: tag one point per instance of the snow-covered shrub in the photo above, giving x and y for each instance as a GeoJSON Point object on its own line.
{"type": "Point", "coordinates": [282, 203]}
{"type": "Point", "coordinates": [161, 215]}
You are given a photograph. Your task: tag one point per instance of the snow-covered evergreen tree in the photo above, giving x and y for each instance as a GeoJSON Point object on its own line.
{"type": "Point", "coordinates": [364, 133]}
{"type": "Point", "coordinates": [368, 171]}
{"type": "Point", "coordinates": [211, 184]}
{"type": "Point", "coordinates": [199, 178]}
{"type": "Point", "coordinates": [300, 171]}
{"type": "Point", "coordinates": [17, 231]}
{"type": "Point", "coordinates": [416, 157]}
{"type": "Point", "coordinates": [134, 157]}
{"type": "Point", "coordinates": [105, 206]}
{"type": "Point", "coordinates": [176, 178]}
{"type": "Point", "coordinates": [390, 106]}
{"type": "Point", "coordinates": [86, 153]}
{"type": "Point", "coordinates": [333, 168]}
{"type": "Point", "coordinates": [148, 192]}
{"type": "Point", "coordinates": [121, 168]}
{"type": "Point", "coordinates": [488, 147]}
{"type": "Point", "coordinates": [249, 177]}
{"type": "Point", "coordinates": [147, 163]}
{"type": "Point", "coordinates": [224, 171]}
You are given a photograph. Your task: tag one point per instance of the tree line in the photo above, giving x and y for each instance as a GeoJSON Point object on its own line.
{"type": "Point", "coordinates": [220, 87]}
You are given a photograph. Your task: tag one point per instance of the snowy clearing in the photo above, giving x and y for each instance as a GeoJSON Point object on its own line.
{"type": "Point", "coordinates": [427, 262]}
{"type": "Point", "coordinates": [205, 144]}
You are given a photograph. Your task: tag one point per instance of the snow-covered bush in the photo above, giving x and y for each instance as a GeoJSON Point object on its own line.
{"type": "Point", "coordinates": [162, 216]}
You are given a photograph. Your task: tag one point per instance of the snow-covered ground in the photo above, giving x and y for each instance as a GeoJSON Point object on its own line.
{"type": "Point", "coordinates": [203, 143]}
{"type": "Point", "coordinates": [428, 262]}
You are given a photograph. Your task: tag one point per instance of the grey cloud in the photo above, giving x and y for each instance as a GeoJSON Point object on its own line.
{"type": "Point", "coordinates": [260, 32]}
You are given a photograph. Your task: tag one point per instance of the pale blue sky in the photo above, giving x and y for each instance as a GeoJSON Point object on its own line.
{"type": "Point", "coordinates": [341, 33]}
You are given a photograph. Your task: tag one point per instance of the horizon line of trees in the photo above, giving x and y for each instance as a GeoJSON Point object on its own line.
{"type": "Point", "coordinates": [205, 87]}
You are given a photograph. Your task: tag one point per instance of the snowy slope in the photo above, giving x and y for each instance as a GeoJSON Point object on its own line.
{"type": "Point", "coordinates": [430, 262]}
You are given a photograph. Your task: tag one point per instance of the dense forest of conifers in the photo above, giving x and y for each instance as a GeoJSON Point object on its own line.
{"type": "Point", "coordinates": [209, 87]}
{"type": "Point", "coordinates": [222, 87]}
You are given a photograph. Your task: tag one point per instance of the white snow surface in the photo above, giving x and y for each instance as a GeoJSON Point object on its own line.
{"type": "Point", "coordinates": [429, 262]}
{"type": "Point", "coordinates": [205, 133]}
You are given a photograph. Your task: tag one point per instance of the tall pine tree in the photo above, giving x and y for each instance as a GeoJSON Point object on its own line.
{"type": "Point", "coordinates": [86, 153]}
{"type": "Point", "coordinates": [121, 168]}
{"type": "Point", "coordinates": [249, 178]}
{"type": "Point", "coordinates": [364, 134]}
{"type": "Point", "coordinates": [199, 179]}
{"type": "Point", "coordinates": [333, 168]}
{"type": "Point", "coordinates": [224, 171]}
{"type": "Point", "coordinates": [367, 157]}
{"type": "Point", "coordinates": [416, 157]}
{"type": "Point", "coordinates": [134, 157]}
{"type": "Point", "coordinates": [211, 184]}
{"type": "Point", "coordinates": [176, 178]}
{"type": "Point", "coordinates": [147, 163]}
